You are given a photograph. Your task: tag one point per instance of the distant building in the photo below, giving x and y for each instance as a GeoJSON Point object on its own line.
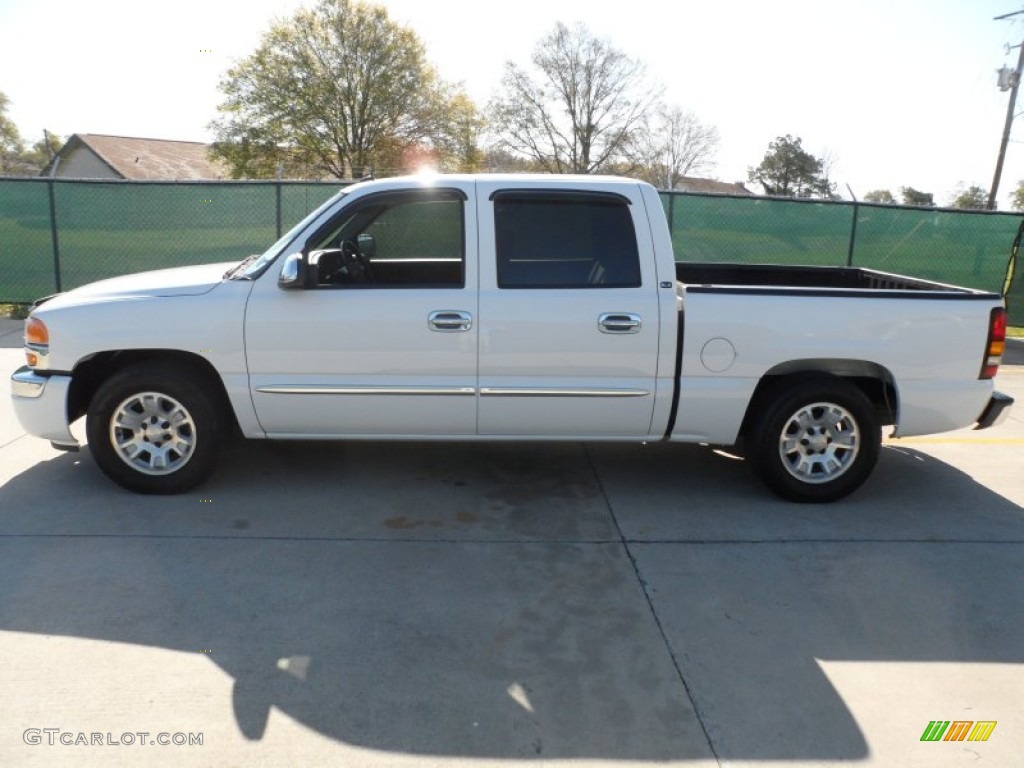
{"type": "Point", "coordinates": [710, 186]}
{"type": "Point", "coordinates": [95, 156]}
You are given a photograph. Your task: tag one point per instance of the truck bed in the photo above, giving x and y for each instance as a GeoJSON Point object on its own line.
{"type": "Point", "coordinates": [762, 278]}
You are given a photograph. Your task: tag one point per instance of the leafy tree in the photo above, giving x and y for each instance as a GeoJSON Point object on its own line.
{"type": "Point", "coordinates": [11, 145]}
{"type": "Point", "coordinates": [1017, 197]}
{"type": "Point", "coordinates": [459, 131]}
{"type": "Point", "coordinates": [577, 108]}
{"type": "Point", "coordinates": [974, 197]}
{"type": "Point", "coordinates": [788, 169]}
{"type": "Point", "coordinates": [912, 196]}
{"type": "Point", "coordinates": [15, 160]}
{"type": "Point", "coordinates": [672, 145]}
{"type": "Point", "coordinates": [879, 196]}
{"type": "Point", "coordinates": [42, 151]}
{"type": "Point", "coordinates": [339, 89]}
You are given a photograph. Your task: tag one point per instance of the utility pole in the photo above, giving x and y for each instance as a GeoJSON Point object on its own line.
{"type": "Point", "coordinates": [46, 143]}
{"type": "Point", "coordinates": [1014, 86]}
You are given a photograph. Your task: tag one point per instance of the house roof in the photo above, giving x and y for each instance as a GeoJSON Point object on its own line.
{"type": "Point", "coordinates": [694, 184]}
{"type": "Point", "coordinates": [149, 159]}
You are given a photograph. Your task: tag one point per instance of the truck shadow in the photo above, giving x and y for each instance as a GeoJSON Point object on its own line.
{"type": "Point", "coordinates": [508, 633]}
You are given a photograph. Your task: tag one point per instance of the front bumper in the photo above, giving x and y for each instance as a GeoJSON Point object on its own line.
{"type": "Point", "coordinates": [41, 405]}
{"type": "Point", "coordinates": [996, 411]}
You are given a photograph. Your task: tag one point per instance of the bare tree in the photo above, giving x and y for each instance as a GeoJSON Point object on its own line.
{"type": "Point", "coordinates": [578, 108]}
{"type": "Point", "coordinates": [674, 144]}
{"type": "Point", "coordinates": [829, 162]}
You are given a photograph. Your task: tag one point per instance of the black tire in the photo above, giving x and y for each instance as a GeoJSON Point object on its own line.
{"type": "Point", "coordinates": [815, 440]}
{"type": "Point", "coordinates": [131, 435]}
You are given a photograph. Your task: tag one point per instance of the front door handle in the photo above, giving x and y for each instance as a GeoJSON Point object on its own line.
{"type": "Point", "coordinates": [449, 321]}
{"type": "Point", "coordinates": [619, 322]}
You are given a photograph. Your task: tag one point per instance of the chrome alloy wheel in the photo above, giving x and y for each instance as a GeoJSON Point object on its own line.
{"type": "Point", "coordinates": [819, 443]}
{"type": "Point", "coordinates": [153, 433]}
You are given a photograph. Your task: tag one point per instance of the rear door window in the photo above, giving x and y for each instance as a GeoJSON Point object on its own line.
{"type": "Point", "coordinates": [565, 240]}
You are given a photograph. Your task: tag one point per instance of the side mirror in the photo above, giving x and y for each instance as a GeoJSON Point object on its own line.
{"type": "Point", "coordinates": [293, 272]}
{"type": "Point", "coordinates": [367, 246]}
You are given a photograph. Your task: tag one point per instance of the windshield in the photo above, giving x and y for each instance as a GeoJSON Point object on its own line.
{"type": "Point", "coordinates": [256, 268]}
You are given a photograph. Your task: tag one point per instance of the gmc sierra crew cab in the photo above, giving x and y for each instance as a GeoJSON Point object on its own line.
{"type": "Point", "coordinates": [506, 307]}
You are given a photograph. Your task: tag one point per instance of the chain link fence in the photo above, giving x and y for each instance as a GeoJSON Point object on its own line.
{"type": "Point", "coordinates": [958, 247]}
{"type": "Point", "coordinates": [57, 234]}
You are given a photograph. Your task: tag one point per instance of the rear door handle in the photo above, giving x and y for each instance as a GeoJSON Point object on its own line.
{"type": "Point", "coordinates": [619, 322]}
{"type": "Point", "coordinates": [449, 321]}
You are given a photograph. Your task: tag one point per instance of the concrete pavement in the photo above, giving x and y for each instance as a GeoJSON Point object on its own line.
{"type": "Point", "coordinates": [11, 333]}
{"type": "Point", "coordinates": [438, 604]}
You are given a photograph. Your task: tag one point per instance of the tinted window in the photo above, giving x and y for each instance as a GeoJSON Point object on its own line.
{"type": "Point", "coordinates": [393, 240]}
{"type": "Point", "coordinates": [547, 240]}
{"type": "Point", "coordinates": [430, 229]}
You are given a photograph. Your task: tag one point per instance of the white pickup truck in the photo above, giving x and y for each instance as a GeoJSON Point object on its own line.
{"type": "Point", "coordinates": [506, 307]}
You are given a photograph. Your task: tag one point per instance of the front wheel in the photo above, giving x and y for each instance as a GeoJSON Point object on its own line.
{"type": "Point", "coordinates": [154, 429]}
{"type": "Point", "coordinates": [817, 440]}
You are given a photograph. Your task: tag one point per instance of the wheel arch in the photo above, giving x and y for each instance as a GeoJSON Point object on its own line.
{"type": "Point", "coordinates": [90, 373]}
{"type": "Point", "coordinates": [874, 380]}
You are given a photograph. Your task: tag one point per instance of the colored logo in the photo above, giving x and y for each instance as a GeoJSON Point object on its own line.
{"type": "Point", "coordinates": [958, 730]}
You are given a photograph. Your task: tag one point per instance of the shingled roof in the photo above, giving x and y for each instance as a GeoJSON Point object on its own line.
{"type": "Point", "coordinates": [147, 159]}
{"type": "Point", "coordinates": [711, 186]}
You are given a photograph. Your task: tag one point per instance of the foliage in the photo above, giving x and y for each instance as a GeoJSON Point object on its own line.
{"type": "Point", "coordinates": [14, 311]}
{"type": "Point", "coordinates": [912, 196]}
{"type": "Point", "coordinates": [341, 90]}
{"type": "Point", "coordinates": [973, 198]}
{"type": "Point", "coordinates": [43, 151]}
{"type": "Point", "coordinates": [458, 133]}
{"type": "Point", "coordinates": [497, 160]}
{"type": "Point", "coordinates": [15, 160]}
{"type": "Point", "coordinates": [578, 107]}
{"type": "Point", "coordinates": [11, 145]}
{"type": "Point", "coordinates": [1017, 197]}
{"type": "Point", "coordinates": [789, 170]}
{"type": "Point", "coordinates": [879, 196]}
{"type": "Point", "coordinates": [673, 145]}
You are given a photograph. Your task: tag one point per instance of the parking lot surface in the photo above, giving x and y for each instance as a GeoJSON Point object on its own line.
{"type": "Point", "coordinates": [368, 604]}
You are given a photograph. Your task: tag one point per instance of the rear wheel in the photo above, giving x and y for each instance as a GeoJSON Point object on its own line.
{"type": "Point", "coordinates": [816, 441]}
{"type": "Point", "coordinates": [155, 429]}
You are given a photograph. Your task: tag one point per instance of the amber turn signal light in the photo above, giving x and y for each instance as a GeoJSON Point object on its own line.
{"type": "Point", "coordinates": [36, 332]}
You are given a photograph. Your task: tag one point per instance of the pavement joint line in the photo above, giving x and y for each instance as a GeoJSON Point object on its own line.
{"type": "Point", "coordinates": [334, 539]}
{"type": "Point", "coordinates": [758, 542]}
{"type": "Point", "coordinates": [953, 441]}
{"type": "Point", "coordinates": [502, 542]}
{"type": "Point", "coordinates": [12, 442]}
{"type": "Point", "coordinates": [654, 613]}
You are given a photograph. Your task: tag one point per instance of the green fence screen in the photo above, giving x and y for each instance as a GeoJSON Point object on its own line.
{"type": "Point", "coordinates": [968, 248]}
{"type": "Point", "coordinates": [101, 229]}
{"type": "Point", "coordinates": [57, 234]}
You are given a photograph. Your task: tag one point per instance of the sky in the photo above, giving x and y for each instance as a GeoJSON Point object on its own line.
{"type": "Point", "coordinates": [897, 92]}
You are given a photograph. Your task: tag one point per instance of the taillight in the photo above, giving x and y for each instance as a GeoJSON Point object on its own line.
{"type": "Point", "coordinates": [995, 344]}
